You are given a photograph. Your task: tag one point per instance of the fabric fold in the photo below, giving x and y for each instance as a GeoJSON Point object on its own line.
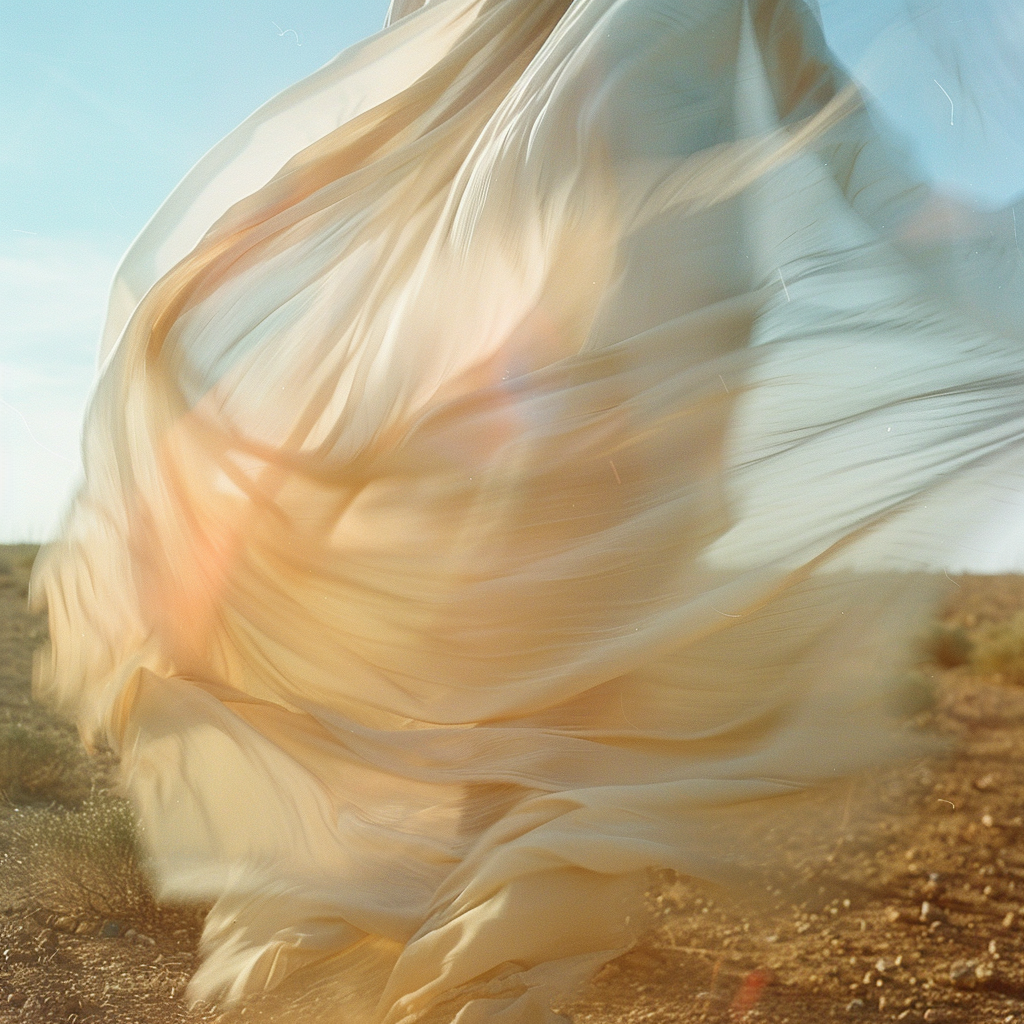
{"type": "Point", "coordinates": [519, 461]}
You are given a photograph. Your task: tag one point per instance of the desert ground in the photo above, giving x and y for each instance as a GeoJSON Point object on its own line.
{"type": "Point", "coordinates": [900, 897]}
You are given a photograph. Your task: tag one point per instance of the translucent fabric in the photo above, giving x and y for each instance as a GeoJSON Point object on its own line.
{"type": "Point", "coordinates": [513, 459]}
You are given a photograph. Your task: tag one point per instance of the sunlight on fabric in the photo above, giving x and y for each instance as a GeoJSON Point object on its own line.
{"type": "Point", "coordinates": [522, 458]}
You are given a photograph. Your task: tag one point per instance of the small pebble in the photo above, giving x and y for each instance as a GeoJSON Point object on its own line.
{"type": "Point", "coordinates": [984, 972]}
{"type": "Point", "coordinates": [962, 974]}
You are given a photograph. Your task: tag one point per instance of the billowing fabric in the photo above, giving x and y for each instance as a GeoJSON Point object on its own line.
{"type": "Point", "coordinates": [512, 454]}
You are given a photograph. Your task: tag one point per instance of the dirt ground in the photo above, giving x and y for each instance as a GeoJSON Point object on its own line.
{"type": "Point", "coordinates": [902, 899]}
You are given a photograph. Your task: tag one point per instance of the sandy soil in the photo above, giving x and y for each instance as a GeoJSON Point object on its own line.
{"type": "Point", "coordinates": [900, 897]}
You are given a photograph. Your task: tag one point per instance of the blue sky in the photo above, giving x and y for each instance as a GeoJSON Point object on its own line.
{"type": "Point", "coordinates": [106, 104]}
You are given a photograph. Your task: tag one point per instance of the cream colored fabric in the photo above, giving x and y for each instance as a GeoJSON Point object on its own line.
{"type": "Point", "coordinates": [509, 458]}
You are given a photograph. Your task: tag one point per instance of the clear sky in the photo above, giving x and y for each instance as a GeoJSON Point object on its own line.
{"type": "Point", "coordinates": [106, 104]}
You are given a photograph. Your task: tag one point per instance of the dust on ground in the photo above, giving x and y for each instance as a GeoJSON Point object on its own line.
{"type": "Point", "coordinates": [904, 901]}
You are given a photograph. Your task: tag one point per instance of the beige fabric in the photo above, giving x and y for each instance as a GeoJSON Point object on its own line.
{"type": "Point", "coordinates": [504, 477]}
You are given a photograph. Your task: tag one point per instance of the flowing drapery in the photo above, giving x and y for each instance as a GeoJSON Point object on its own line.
{"type": "Point", "coordinates": [509, 456]}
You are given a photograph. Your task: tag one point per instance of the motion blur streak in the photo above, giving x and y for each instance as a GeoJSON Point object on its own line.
{"type": "Point", "coordinates": [518, 455]}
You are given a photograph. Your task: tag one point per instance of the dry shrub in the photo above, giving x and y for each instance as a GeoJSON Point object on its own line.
{"type": "Point", "coordinates": [40, 766]}
{"type": "Point", "coordinates": [999, 647]}
{"type": "Point", "coordinates": [83, 862]}
{"type": "Point", "coordinates": [83, 865]}
{"type": "Point", "coordinates": [950, 647]}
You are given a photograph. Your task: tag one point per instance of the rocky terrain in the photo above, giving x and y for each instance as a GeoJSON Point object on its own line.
{"type": "Point", "coordinates": [899, 897]}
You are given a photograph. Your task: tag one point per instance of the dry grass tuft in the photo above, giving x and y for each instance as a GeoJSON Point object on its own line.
{"type": "Point", "coordinates": [999, 648]}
